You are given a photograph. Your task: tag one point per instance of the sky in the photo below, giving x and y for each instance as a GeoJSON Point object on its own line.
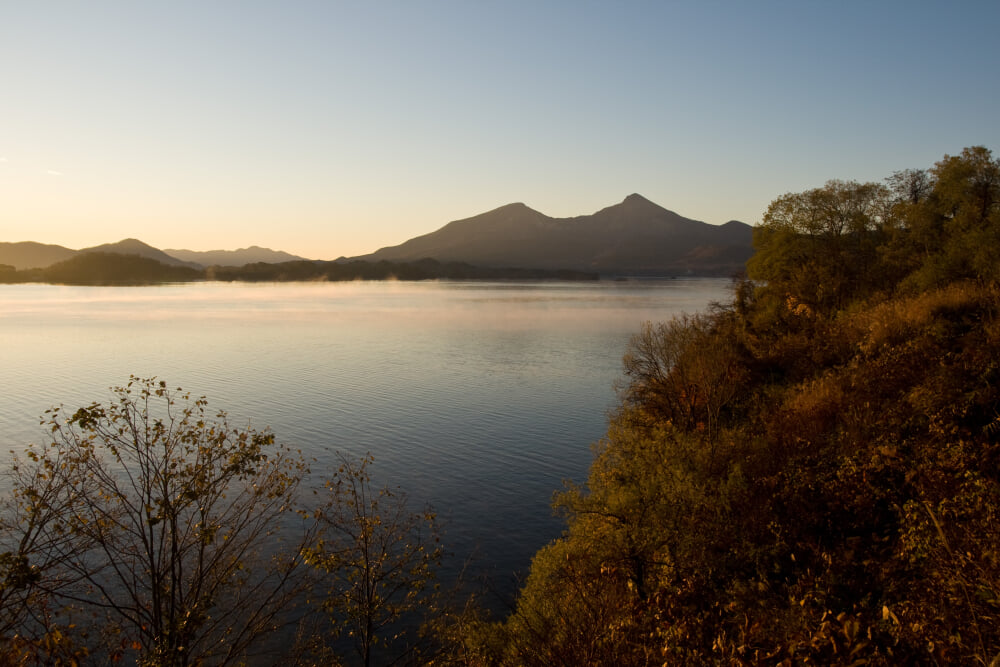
{"type": "Point", "coordinates": [333, 128]}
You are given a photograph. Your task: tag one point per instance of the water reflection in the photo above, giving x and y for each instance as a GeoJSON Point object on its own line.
{"type": "Point", "coordinates": [477, 397]}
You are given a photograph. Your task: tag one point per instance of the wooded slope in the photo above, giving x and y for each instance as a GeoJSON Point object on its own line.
{"type": "Point", "coordinates": [809, 474]}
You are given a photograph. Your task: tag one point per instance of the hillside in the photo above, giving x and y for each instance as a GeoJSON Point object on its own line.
{"type": "Point", "coordinates": [137, 247]}
{"type": "Point", "coordinates": [635, 236]}
{"type": "Point", "coordinates": [105, 268]}
{"type": "Point", "coordinates": [31, 255]}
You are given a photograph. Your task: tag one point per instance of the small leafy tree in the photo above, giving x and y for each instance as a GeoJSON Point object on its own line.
{"type": "Point", "coordinates": [683, 371]}
{"type": "Point", "coordinates": [162, 521]}
{"type": "Point", "coordinates": [381, 558]}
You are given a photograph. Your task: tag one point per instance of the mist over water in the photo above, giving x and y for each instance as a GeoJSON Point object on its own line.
{"type": "Point", "coordinates": [479, 398]}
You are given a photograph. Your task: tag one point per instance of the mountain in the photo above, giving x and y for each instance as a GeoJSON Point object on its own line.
{"type": "Point", "coordinates": [251, 255]}
{"type": "Point", "coordinates": [634, 237]}
{"type": "Point", "coordinates": [31, 255]}
{"type": "Point", "coordinates": [115, 268]}
{"type": "Point", "coordinates": [137, 247]}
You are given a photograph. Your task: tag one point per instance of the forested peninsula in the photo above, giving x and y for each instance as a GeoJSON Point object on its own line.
{"type": "Point", "coordinates": [806, 474]}
{"type": "Point", "coordinates": [107, 268]}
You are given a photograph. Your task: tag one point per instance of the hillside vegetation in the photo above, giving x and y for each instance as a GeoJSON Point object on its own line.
{"type": "Point", "coordinates": [809, 474]}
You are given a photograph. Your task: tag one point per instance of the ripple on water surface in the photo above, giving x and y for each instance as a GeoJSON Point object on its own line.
{"type": "Point", "coordinates": [479, 398]}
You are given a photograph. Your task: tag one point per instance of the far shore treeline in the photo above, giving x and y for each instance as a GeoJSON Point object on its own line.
{"type": "Point", "coordinates": [808, 474]}
{"type": "Point", "coordinates": [101, 268]}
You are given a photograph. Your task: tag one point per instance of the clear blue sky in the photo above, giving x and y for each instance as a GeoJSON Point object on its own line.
{"type": "Point", "coordinates": [334, 128]}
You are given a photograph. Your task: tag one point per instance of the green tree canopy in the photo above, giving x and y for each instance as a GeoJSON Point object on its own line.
{"type": "Point", "coordinates": [821, 245]}
{"type": "Point", "coordinates": [826, 247]}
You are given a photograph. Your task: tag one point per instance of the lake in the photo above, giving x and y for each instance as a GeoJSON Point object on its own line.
{"type": "Point", "coordinates": [479, 398]}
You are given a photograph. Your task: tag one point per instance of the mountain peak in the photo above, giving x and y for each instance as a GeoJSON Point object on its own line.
{"type": "Point", "coordinates": [636, 202]}
{"type": "Point", "coordinates": [125, 245]}
{"type": "Point", "coordinates": [515, 207]}
{"type": "Point", "coordinates": [635, 205]}
{"type": "Point", "coordinates": [636, 198]}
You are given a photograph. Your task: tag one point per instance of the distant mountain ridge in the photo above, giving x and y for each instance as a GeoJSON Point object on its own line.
{"type": "Point", "coordinates": [634, 237]}
{"type": "Point", "coordinates": [240, 257]}
{"type": "Point", "coordinates": [31, 255]}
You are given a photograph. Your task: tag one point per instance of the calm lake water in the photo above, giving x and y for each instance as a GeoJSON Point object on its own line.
{"type": "Point", "coordinates": [480, 398]}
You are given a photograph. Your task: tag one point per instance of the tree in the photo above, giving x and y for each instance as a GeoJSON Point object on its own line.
{"type": "Point", "coordinates": [953, 231]}
{"type": "Point", "coordinates": [32, 537]}
{"type": "Point", "coordinates": [380, 556]}
{"type": "Point", "coordinates": [162, 522]}
{"type": "Point", "coordinates": [685, 371]}
{"type": "Point", "coordinates": [910, 186]}
{"type": "Point", "coordinates": [820, 246]}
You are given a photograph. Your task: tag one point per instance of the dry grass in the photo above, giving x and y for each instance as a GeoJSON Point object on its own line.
{"type": "Point", "coordinates": [899, 320]}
